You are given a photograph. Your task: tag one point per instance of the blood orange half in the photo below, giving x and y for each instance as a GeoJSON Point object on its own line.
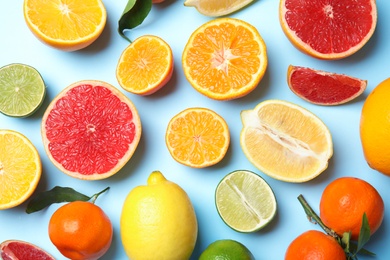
{"type": "Point", "coordinates": [324, 88]}
{"type": "Point", "coordinates": [332, 29]}
{"type": "Point", "coordinates": [90, 130]}
{"type": "Point", "coordinates": [16, 249]}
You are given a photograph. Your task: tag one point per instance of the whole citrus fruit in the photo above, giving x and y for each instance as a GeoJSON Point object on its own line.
{"type": "Point", "coordinates": [158, 221]}
{"type": "Point", "coordinates": [226, 249]}
{"type": "Point", "coordinates": [81, 230]}
{"type": "Point", "coordinates": [345, 200]}
{"type": "Point", "coordinates": [375, 128]}
{"type": "Point", "coordinates": [316, 245]}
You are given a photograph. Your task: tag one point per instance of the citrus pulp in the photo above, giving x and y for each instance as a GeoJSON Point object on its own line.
{"type": "Point", "coordinates": [158, 221]}
{"type": "Point", "coordinates": [22, 250]}
{"type": "Point", "coordinates": [285, 141]}
{"type": "Point", "coordinates": [226, 249]}
{"type": "Point", "coordinates": [217, 7]}
{"type": "Point", "coordinates": [245, 201]}
{"type": "Point", "coordinates": [22, 90]}
{"type": "Point", "coordinates": [90, 130]}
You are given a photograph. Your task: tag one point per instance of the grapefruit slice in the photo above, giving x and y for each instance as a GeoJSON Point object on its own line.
{"type": "Point", "coordinates": [328, 29]}
{"type": "Point", "coordinates": [324, 88]}
{"type": "Point", "coordinates": [90, 130]}
{"type": "Point", "coordinates": [17, 249]}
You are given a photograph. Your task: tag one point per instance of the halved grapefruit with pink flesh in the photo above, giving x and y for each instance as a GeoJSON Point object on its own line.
{"type": "Point", "coordinates": [17, 249]}
{"type": "Point", "coordinates": [324, 88]}
{"type": "Point", "coordinates": [328, 29]}
{"type": "Point", "coordinates": [90, 130]}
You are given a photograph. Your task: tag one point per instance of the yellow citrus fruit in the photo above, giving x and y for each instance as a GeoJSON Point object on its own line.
{"type": "Point", "coordinates": [225, 58]}
{"type": "Point", "coordinates": [145, 66]}
{"type": "Point", "coordinates": [197, 137]}
{"type": "Point", "coordinates": [217, 7]}
{"type": "Point", "coordinates": [20, 168]}
{"type": "Point", "coordinates": [68, 25]}
{"type": "Point", "coordinates": [375, 128]}
{"type": "Point", "coordinates": [158, 221]}
{"type": "Point", "coordinates": [226, 249]}
{"type": "Point", "coordinates": [285, 141]}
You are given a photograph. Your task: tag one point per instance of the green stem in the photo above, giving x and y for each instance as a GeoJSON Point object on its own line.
{"type": "Point", "coordinates": [95, 196]}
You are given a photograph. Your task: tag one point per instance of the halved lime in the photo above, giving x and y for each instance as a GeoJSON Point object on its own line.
{"type": "Point", "coordinates": [22, 90]}
{"type": "Point", "coordinates": [245, 201]}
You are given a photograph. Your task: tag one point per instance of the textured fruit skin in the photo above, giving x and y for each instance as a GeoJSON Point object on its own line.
{"type": "Point", "coordinates": [81, 230]}
{"type": "Point", "coordinates": [345, 200]}
{"type": "Point", "coordinates": [158, 221]}
{"type": "Point", "coordinates": [314, 245]}
{"type": "Point", "coordinates": [375, 128]}
{"type": "Point", "coordinates": [226, 249]}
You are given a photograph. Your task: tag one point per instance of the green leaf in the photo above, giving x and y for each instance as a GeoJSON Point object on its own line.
{"type": "Point", "coordinates": [134, 14]}
{"type": "Point", "coordinates": [364, 234]}
{"type": "Point", "coordinates": [55, 195]}
{"type": "Point", "coordinates": [346, 239]}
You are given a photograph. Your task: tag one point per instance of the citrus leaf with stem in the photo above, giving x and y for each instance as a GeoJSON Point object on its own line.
{"type": "Point", "coordinates": [57, 195]}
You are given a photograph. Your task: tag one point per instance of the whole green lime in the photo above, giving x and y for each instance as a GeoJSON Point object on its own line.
{"type": "Point", "coordinates": [226, 249]}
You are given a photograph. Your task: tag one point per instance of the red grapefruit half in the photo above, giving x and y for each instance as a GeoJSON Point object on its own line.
{"type": "Point", "coordinates": [90, 130]}
{"type": "Point", "coordinates": [17, 249]}
{"type": "Point", "coordinates": [324, 88]}
{"type": "Point", "coordinates": [331, 29]}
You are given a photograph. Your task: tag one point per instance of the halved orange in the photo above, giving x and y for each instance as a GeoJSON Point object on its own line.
{"type": "Point", "coordinates": [20, 168]}
{"type": "Point", "coordinates": [197, 137]}
{"type": "Point", "coordinates": [328, 29]}
{"type": "Point", "coordinates": [145, 66]}
{"type": "Point", "coordinates": [225, 58]}
{"type": "Point", "coordinates": [285, 141]}
{"type": "Point", "coordinates": [68, 25]}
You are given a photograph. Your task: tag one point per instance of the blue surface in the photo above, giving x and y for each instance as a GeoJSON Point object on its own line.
{"type": "Point", "coordinates": [174, 23]}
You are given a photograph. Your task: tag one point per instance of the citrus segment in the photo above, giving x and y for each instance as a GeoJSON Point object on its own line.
{"type": "Point", "coordinates": [17, 249]}
{"type": "Point", "coordinates": [245, 201]}
{"type": "Point", "coordinates": [323, 88]}
{"type": "Point", "coordinates": [328, 29]}
{"type": "Point", "coordinates": [217, 7]}
{"type": "Point", "coordinates": [67, 25]}
{"type": "Point", "coordinates": [22, 90]}
{"type": "Point", "coordinates": [225, 58]}
{"type": "Point", "coordinates": [145, 66]}
{"type": "Point", "coordinates": [375, 128]}
{"type": "Point", "coordinates": [197, 137]}
{"type": "Point", "coordinates": [20, 168]}
{"type": "Point", "coordinates": [226, 249]}
{"type": "Point", "coordinates": [285, 141]}
{"type": "Point", "coordinates": [90, 130]}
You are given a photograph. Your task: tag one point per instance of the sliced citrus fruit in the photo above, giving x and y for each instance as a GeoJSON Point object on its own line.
{"type": "Point", "coordinates": [324, 88]}
{"type": "Point", "coordinates": [328, 29]}
{"type": "Point", "coordinates": [197, 137]}
{"type": "Point", "coordinates": [285, 141]}
{"type": "Point", "coordinates": [217, 8]}
{"type": "Point", "coordinates": [20, 168]}
{"type": "Point", "coordinates": [90, 130]}
{"type": "Point", "coordinates": [22, 90]}
{"type": "Point", "coordinates": [68, 25]}
{"type": "Point", "coordinates": [245, 201]}
{"type": "Point", "coordinates": [225, 58]}
{"type": "Point", "coordinates": [17, 249]}
{"type": "Point", "coordinates": [145, 66]}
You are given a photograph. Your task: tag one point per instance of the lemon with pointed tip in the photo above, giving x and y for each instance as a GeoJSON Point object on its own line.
{"type": "Point", "coordinates": [158, 221]}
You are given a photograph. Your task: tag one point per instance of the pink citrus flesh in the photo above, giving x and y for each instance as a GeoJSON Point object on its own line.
{"type": "Point", "coordinates": [19, 250]}
{"type": "Point", "coordinates": [324, 88]}
{"type": "Point", "coordinates": [90, 130]}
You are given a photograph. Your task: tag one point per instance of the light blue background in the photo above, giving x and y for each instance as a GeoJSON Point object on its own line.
{"type": "Point", "coordinates": [174, 23]}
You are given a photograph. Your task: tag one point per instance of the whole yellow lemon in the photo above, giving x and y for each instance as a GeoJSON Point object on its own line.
{"type": "Point", "coordinates": [375, 128]}
{"type": "Point", "coordinates": [158, 221]}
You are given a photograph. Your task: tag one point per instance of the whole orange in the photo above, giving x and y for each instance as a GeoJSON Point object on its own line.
{"type": "Point", "coordinates": [80, 230]}
{"type": "Point", "coordinates": [375, 128]}
{"type": "Point", "coordinates": [345, 200]}
{"type": "Point", "coordinates": [314, 245]}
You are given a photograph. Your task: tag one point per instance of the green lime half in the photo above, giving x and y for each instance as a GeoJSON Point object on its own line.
{"type": "Point", "coordinates": [22, 90]}
{"type": "Point", "coordinates": [226, 249]}
{"type": "Point", "coordinates": [245, 201]}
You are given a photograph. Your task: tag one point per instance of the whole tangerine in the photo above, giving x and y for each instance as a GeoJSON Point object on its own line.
{"type": "Point", "coordinates": [81, 230]}
{"type": "Point", "coordinates": [345, 200]}
{"type": "Point", "coordinates": [316, 245]}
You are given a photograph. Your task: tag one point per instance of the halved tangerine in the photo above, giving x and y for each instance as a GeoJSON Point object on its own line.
{"type": "Point", "coordinates": [90, 130]}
